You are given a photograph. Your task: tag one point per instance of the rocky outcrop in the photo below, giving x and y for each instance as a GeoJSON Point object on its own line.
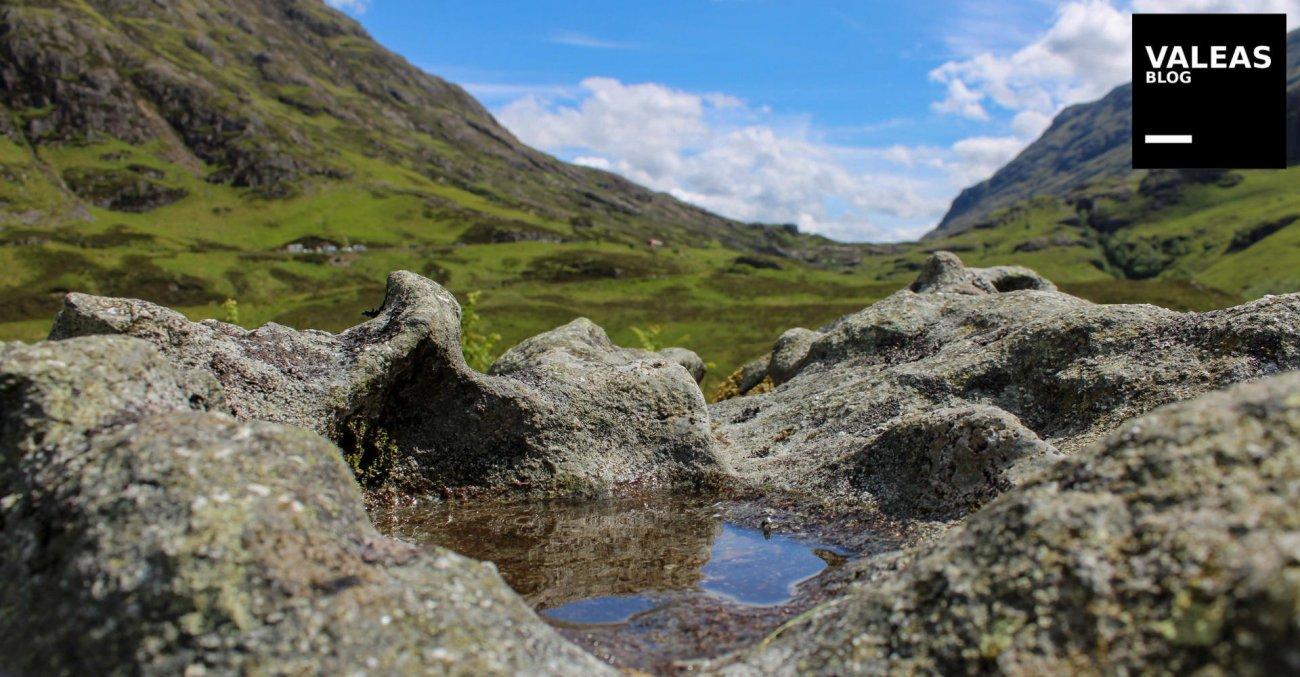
{"type": "Point", "coordinates": [133, 190]}
{"type": "Point", "coordinates": [565, 412]}
{"type": "Point", "coordinates": [942, 463]}
{"type": "Point", "coordinates": [1172, 543]}
{"type": "Point", "coordinates": [944, 272]}
{"type": "Point", "coordinates": [145, 527]}
{"type": "Point", "coordinates": [689, 360]}
{"type": "Point", "coordinates": [311, 379]}
{"type": "Point", "coordinates": [789, 353]}
{"type": "Point", "coordinates": [1045, 369]}
{"type": "Point", "coordinates": [51, 394]}
{"type": "Point", "coordinates": [143, 536]}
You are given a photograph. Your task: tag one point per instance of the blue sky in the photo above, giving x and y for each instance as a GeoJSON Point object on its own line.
{"type": "Point", "coordinates": [859, 120]}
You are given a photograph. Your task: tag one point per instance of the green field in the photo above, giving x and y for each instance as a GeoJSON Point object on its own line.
{"type": "Point", "coordinates": [222, 243]}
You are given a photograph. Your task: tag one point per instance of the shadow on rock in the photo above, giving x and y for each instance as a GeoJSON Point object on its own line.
{"type": "Point", "coordinates": [568, 412]}
{"type": "Point", "coordinates": [143, 535]}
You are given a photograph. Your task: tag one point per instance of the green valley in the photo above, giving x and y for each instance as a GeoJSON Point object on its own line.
{"type": "Point", "coordinates": [267, 162]}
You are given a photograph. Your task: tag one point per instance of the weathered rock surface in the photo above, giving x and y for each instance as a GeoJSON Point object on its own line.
{"type": "Point", "coordinates": [564, 412]}
{"type": "Point", "coordinates": [141, 532]}
{"type": "Point", "coordinates": [944, 272]}
{"type": "Point", "coordinates": [689, 360]}
{"type": "Point", "coordinates": [879, 384]}
{"type": "Point", "coordinates": [310, 379]}
{"type": "Point", "coordinates": [789, 353]}
{"type": "Point", "coordinates": [52, 393]}
{"type": "Point", "coordinates": [1174, 544]}
{"type": "Point", "coordinates": [144, 537]}
{"type": "Point", "coordinates": [941, 463]}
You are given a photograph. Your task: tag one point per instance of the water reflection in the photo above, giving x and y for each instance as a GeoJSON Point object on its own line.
{"type": "Point", "coordinates": [601, 562]}
{"type": "Point", "coordinates": [753, 567]}
{"type": "Point", "coordinates": [601, 610]}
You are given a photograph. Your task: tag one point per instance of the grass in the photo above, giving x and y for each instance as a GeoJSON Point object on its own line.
{"type": "Point", "coordinates": [223, 243]}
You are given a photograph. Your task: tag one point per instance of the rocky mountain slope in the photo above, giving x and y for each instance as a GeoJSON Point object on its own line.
{"type": "Point", "coordinates": [272, 155]}
{"type": "Point", "coordinates": [1086, 144]}
{"type": "Point", "coordinates": [162, 518]}
{"type": "Point", "coordinates": [274, 96]}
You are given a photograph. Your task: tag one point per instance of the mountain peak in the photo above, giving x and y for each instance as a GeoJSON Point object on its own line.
{"type": "Point", "coordinates": [1085, 143]}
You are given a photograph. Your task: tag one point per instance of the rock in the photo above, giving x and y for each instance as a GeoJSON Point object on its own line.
{"type": "Point", "coordinates": [789, 353]}
{"type": "Point", "coordinates": [689, 360]}
{"type": "Point", "coordinates": [753, 373]}
{"type": "Point", "coordinates": [1062, 371]}
{"type": "Point", "coordinates": [944, 272]}
{"type": "Point", "coordinates": [602, 415]}
{"type": "Point", "coordinates": [52, 393]}
{"type": "Point", "coordinates": [183, 541]}
{"type": "Point", "coordinates": [565, 412]}
{"type": "Point", "coordinates": [121, 190]}
{"type": "Point", "coordinates": [942, 462]}
{"type": "Point", "coordinates": [310, 379]}
{"type": "Point", "coordinates": [1172, 543]}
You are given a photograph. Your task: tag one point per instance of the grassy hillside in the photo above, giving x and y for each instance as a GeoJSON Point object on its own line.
{"type": "Point", "coordinates": [1086, 144]}
{"type": "Point", "coordinates": [270, 153]}
{"type": "Point", "coordinates": [266, 161]}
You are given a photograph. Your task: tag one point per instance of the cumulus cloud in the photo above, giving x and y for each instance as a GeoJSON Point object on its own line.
{"type": "Point", "coordinates": [716, 151]}
{"type": "Point", "coordinates": [1289, 7]}
{"type": "Point", "coordinates": [354, 6]}
{"type": "Point", "coordinates": [976, 158]}
{"type": "Point", "coordinates": [1085, 53]}
{"type": "Point", "coordinates": [740, 160]}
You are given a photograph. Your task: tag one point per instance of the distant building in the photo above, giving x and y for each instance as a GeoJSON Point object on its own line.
{"type": "Point", "coordinates": [654, 242]}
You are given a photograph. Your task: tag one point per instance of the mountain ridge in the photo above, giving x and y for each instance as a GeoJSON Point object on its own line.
{"type": "Point", "coordinates": [226, 84]}
{"type": "Point", "coordinates": [1085, 143]}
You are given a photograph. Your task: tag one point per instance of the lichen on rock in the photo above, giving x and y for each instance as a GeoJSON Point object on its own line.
{"type": "Point", "coordinates": [876, 386]}
{"type": "Point", "coordinates": [565, 412]}
{"type": "Point", "coordinates": [982, 409]}
{"type": "Point", "coordinates": [1171, 543]}
{"type": "Point", "coordinates": [143, 536]}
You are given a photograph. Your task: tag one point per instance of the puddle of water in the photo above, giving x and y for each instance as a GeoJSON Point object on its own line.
{"type": "Point", "coordinates": [752, 568]}
{"type": "Point", "coordinates": [638, 581]}
{"type": "Point", "coordinates": [600, 610]}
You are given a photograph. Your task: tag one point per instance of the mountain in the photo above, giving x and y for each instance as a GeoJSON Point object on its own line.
{"type": "Point", "coordinates": [259, 161]}
{"type": "Point", "coordinates": [272, 97]}
{"type": "Point", "coordinates": [267, 160]}
{"type": "Point", "coordinates": [1085, 144]}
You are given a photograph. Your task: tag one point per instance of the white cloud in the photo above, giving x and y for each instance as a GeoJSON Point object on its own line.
{"type": "Point", "coordinates": [1084, 54]}
{"type": "Point", "coordinates": [578, 39]}
{"type": "Point", "coordinates": [740, 160]}
{"type": "Point", "coordinates": [1289, 7]}
{"type": "Point", "coordinates": [716, 151]}
{"type": "Point", "coordinates": [961, 100]}
{"type": "Point", "coordinates": [354, 6]}
{"type": "Point", "coordinates": [979, 156]}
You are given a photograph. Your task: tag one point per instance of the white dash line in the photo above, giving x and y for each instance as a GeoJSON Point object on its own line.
{"type": "Point", "coordinates": [1168, 138]}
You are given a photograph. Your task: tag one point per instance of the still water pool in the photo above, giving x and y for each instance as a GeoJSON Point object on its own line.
{"type": "Point", "coordinates": [669, 575]}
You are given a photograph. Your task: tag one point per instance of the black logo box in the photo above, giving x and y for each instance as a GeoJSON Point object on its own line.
{"type": "Point", "coordinates": [1235, 117]}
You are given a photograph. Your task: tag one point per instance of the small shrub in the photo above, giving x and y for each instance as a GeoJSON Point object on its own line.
{"type": "Point", "coordinates": [475, 342]}
{"type": "Point", "coordinates": [730, 386]}
{"type": "Point", "coordinates": [650, 338]}
{"type": "Point", "coordinates": [230, 311]}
